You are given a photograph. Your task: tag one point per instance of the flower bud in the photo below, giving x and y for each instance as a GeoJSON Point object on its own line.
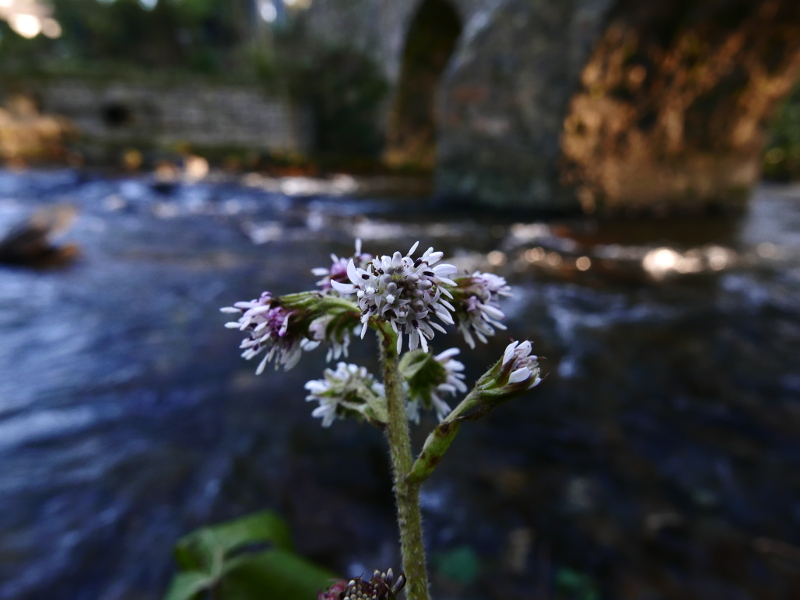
{"type": "Point", "coordinates": [517, 372]}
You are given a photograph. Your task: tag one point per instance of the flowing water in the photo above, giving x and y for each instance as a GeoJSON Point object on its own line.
{"type": "Point", "coordinates": [660, 458]}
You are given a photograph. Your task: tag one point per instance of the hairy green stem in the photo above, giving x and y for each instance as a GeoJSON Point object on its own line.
{"type": "Point", "coordinates": [409, 517]}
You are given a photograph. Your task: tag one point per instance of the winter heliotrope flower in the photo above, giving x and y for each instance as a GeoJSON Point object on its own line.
{"type": "Point", "coordinates": [477, 304]}
{"type": "Point", "coordinates": [271, 328]}
{"type": "Point", "coordinates": [428, 378]}
{"type": "Point", "coordinates": [348, 390]}
{"type": "Point", "coordinates": [403, 291]}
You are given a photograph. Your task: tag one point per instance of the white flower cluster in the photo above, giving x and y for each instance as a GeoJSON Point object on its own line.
{"type": "Point", "coordinates": [342, 392]}
{"type": "Point", "coordinates": [521, 365]}
{"type": "Point", "coordinates": [405, 292]}
{"type": "Point", "coordinates": [478, 309]}
{"type": "Point", "coordinates": [267, 324]}
{"type": "Point", "coordinates": [451, 382]}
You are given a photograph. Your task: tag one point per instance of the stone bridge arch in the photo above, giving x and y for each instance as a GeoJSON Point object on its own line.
{"type": "Point", "coordinates": [596, 104]}
{"type": "Point", "coordinates": [413, 124]}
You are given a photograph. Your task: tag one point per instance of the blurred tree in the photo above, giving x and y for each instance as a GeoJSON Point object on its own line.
{"type": "Point", "coordinates": [203, 36]}
{"type": "Point", "coordinates": [782, 157]}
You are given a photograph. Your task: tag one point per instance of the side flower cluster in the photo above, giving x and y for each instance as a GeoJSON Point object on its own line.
{"type": "Point", "coordinates": [429, 378]}
{"type": "Point", "coordinates": [269, 326]}
{"type": "Point", "coordinates": [347, 391]}
{"type": "Point", "coordinates": [403, 291]}
{"type": "Point", "coordinates": [477, 305]}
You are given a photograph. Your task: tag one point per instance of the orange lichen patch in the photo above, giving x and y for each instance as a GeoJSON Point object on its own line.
{"type": "Point", "coordinates": [26, 135]}
{"type": "Point", "coordinates": [678, 115]}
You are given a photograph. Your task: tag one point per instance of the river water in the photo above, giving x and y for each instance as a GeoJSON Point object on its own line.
{"type": "Point", "coordinates": [660, 458]}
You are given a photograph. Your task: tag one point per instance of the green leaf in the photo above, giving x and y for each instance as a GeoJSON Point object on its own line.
{"type": "Point", "coordinates": [228, 559]}
{"type": "Point", "coordinates": [274, 574]}
{"type": "Point", "coordinates": [185, 586]}
{"type": "Point", "coordinates": [206, 548]}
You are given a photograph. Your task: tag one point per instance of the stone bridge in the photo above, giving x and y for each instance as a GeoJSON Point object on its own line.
{"type": "Point", "coordinates": [563, 104]}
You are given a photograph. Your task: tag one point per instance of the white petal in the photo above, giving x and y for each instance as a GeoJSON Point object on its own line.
{"type": "Point", "coordinates": [230, 310]}
{"type": "Point", "coordinates": [468, 338]}
{"type": "Point", "coordinates": [414, 247]}
{"type": "Point", "coordinates": [442, 356]}
{"type": "Point", "coordinates": [524, 349]}
{"type": "Point", "coordinates": [493, 312]}
{"type": "Point", "coordinates": [351, 271]}
{"type": "Point", "coordinates": [444, 316]}
{"type": "Point", "coordinates": [438, 327]}
{"type": "Point", "coordinates": [315, 386]}
{"type": "Point", "coordinates": [454, 365]}
{"type": "Point", "coordinates": [262, 364]}
{"type": "Point", "coordinates": [413, 340]}
{"type": "Point", "coordinates": [309, 345]}
{"type": "Point", "coordinates": [444, 269]}
{"type": "Point", "coordinates": [342, 288]}
{"type": "Point", "coordinates": [424, 342]}
{"type": "Point", "coordinates": [519, 375]}
{"type": "Point", "coordinates": [509, 352]}
{"type": "Point", "coordinates": [462, 387]}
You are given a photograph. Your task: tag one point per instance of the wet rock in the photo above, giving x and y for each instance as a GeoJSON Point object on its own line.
{"type": "Point", "coordinates": [30, 243]}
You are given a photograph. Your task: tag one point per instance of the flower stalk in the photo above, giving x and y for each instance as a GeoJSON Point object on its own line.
{"type": "Point", "coordinates": [409, 516]}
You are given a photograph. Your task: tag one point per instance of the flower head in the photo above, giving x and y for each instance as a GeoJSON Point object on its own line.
{"type": "Point", "coordinates": [518, 370]}
{"type": "Point", "coordinates": [429, 378]}
{"type": "Point", "coordinates": [477, 305]}
{"type": "Point", "coordinates": [382, 586]}
{"type": "Point", "coordinates": [403, 291]}
{"type": "Point", "coordinates": [271, 327]}
{"type": "Point", "coordinates": [338, 269]}
{"type": "Point", "coordinates": [348, 391]}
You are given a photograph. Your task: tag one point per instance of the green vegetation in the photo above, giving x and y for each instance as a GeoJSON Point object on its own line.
{"type": "Point", "coordinates": [211, 41]}
{"type": "Point", "coordinates": [246, 559]}
{"type": "Point", "coordinates": [782, 156]}
{"type": "Point", "coordinates": [206, 37]}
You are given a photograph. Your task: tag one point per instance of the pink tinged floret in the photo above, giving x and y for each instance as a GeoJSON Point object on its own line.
{"type": "Point", "coordinates": [267, 324]}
